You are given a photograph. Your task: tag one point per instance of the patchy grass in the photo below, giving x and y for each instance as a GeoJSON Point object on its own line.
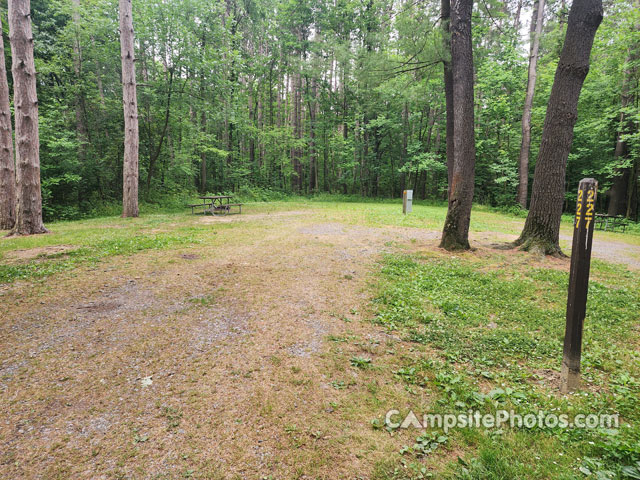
{"type": "Point", "coordinates": [495, 331]}
{"type": "Point", "coordinates": [278, 339]}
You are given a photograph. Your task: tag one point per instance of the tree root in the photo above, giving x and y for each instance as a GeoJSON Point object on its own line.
{"type": "Point", "coordinates": [452, 244]}
{"type": "Point", "coordinates": [539, 246]}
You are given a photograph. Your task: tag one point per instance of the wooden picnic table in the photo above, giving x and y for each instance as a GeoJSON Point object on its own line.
{"type": "Point", "coordinates": [604, 222]}
{"type": "Point", "coordinates": [216, 204]}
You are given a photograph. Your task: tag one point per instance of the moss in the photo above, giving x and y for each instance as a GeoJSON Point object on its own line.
{"type": "Point", "coordinates": [539, 245]}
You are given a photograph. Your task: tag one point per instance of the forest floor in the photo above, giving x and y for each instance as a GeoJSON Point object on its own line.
{"type": "Point", "coordinates": [271, 344]}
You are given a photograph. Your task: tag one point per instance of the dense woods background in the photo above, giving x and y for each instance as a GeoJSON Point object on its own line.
{"type": "Point", "coordinates": [267, 97]}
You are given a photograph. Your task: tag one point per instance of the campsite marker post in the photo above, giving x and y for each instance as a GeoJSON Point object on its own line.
{"type": "Point", "coordinates": [407, 200]}
{"type": "Point", "coordinates": [578, 284]}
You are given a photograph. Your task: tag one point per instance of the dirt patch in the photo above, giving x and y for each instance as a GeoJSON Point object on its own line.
{"type": "Point", "coordinates": [246, 217]}
{"type": "Point", "coordinates": [323, 229]}
{"type": "Point", "coordinates": [232, 363]}
{"type": "Point", "coordinates": [39, 252]}
{"type": "Point", "coordinates": [214, 326]}
{"type": "Point", "coordinates": [549, 380]}
{"type": "Point", "coordinates": [99, 307]}
{"type": "Point", "coordinates": [615, 252]}
{"type": "Point", "coordinates": [610, 251]}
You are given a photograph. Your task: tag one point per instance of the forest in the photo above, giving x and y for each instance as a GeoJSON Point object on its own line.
{"type": "Point", "coordinates": [268, 98]}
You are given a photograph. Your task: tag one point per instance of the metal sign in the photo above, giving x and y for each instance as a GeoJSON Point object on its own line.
{"type": "Point", "coordinates": [407, 200]}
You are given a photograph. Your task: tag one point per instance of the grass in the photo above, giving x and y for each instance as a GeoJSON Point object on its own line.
{"type": "Point", "coordinates": [413, 328]}
{"type": "Point", "coordinates": [494, 330]}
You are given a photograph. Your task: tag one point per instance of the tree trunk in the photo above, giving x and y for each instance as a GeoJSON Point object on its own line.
{"type": "Point", "coordinates": [203, 155]}
{"type": "Point", "coordinates": [81, 125]}
{"type": "Point", "coordinates": [313, 154]}
{"type": "Point", "coordinates": [632, 193]}
{"type": "Point", "coordinates": [130, 104]}
{"type": "Point", "coordinates": [542, 228]}
{"type": "Point", "coordinates": [7, 167]}
{"type": "Point", "coordinates": [25, 99]}
{"type": "Point", "coordinates": [153, 158]}
{"type": "Point", "coordinates": [448, 86]}
{"type": "Point", "coordinates": [455, 234]}
{"type": "Point", "coordinates": [516, 18]}
{"type": "Point", "coordinates": [523, 165]}
{"type": "Point", "coordinates": [297, 129]}
{"type": "Point", "coordinates": [618, 194]}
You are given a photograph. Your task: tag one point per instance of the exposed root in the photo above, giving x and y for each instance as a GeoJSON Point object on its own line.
{"type": "Point", "coordinates": [504, 246]}
{"type": "Point", "coordinates": [539, 246]}
{"type": "Point", "coordinates": [451, 243]}
{"type": "Point", "coordinates": [19, 233]}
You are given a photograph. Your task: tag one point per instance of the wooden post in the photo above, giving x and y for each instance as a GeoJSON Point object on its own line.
{"type": "Point", "coordinates": [578, 284]}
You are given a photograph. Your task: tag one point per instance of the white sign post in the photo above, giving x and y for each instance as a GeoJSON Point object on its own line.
{"type": "Point", "coordinates": [407, 200]}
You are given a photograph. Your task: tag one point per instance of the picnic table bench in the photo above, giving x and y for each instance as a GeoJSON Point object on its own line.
{"type": "Point", "coordinates": [610, 222]}
{"type": "Point", "coordinates": [216, 205]}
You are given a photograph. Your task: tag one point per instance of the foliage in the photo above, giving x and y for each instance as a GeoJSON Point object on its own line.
{"type": "Point", "coordinates": [269, 98]}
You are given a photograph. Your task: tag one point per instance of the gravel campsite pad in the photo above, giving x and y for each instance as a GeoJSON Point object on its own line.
{"type": "Point", "coordinates": [225, 357]}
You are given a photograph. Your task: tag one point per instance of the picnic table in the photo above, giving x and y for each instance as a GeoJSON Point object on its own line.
{"type": "Point", "coordinates": [216, 205]}
{"type": "Point", "coordinates": [606, 222]}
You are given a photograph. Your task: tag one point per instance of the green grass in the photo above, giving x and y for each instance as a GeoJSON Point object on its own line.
{"type": "Point", "coordinates": [93, 240]}
{"type": "Point", "coordinates": [494, 328]}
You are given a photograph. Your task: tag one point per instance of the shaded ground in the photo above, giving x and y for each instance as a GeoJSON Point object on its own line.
{"type": "Point", "coordinates": [220, 360]}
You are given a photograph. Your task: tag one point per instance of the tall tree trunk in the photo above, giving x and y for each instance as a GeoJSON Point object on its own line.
{"type": "Point", "coordinates": [542, 228]}
{"type": "Point", "coordinates": [297, 128]}
{"type": "Point", "coordinates": [7, 167]}
{"type": "Point", "coordinates": [313, 161]}
{"type": "Point", "coordinates": [516, 17]}
{"type": "Point", "coordinates": [618, 194]}
{"type": "Point", "coordinates": [130, 104]}
{"type": "Point", "coordinates": [632, 191]}
{"type": "Point", "coordinates": [448, 84]}
{"type": "Point", "coordinates": [203, 155]}
{"type": "Point", "coordinates": [25, 99]}
{"type": "Point", "coordinates": [537, 18]}
{"type": "Point", "coordinates": [81, 125]}
{"type": "Point", "coordinates": [153, 158]}
{"type": "Point", "coordinates": [455, 234]}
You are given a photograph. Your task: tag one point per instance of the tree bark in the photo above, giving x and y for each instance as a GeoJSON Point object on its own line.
{"type": "Point", "coordinates": [203, 155]}
{"type": "Point", "coordinates": [619, 192]}
{"type": "Point", "coordinates": [455, 234]}
{"type": "Point", "coordinates": [523, 164]}
{"type": "Point", "coordinates": [7, 167]}
{"type": "Point", "coordinates": [516, 18]}
{"type": "Point", "coordinates": [542, 227]}
{"type": "Point", "coordinates": [156, 153]}
{"type": "Point", "coordinates": [81, 125]}
{"type": "Point", "coordinates": [313, 154]}
{"type": "Point", "coordinates": [29, 194]}
{"type": "Point", "coordinates": [130, 104]}
{"type": "Point", "coordinates": [448, 85]}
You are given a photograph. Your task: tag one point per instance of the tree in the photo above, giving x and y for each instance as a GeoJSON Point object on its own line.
{"type": "Point", "coordinates": [542, 227]}
{"type": "Point", "coordinates": [29, 195]}
{"type": "Point", "coordinates": [537, 17]}
{"type": "Point", "coordinates": [448, 84]}
{"type": "Point", "coordinates": [81, 126]}
{"type": "Point", "coordinates": [455, 234]}
{"type": "Point", "coordinates": [130, 104]}
{"type": "Point", "coordinates": [620, 192]}
{"type": "Point", "coordinates": [7, 168]}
